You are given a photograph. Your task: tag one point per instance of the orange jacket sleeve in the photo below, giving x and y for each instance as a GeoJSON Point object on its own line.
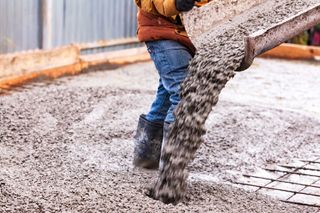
{"type": "Point", "coordinates": [166, 7]}
{"type": "Point", "coordinates": [163, 7]}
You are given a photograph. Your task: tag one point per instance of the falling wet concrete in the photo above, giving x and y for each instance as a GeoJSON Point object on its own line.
{"type": "Point", "coordinates": [68, 146]}
{"type": "Point", "coordinates": [220, 53]}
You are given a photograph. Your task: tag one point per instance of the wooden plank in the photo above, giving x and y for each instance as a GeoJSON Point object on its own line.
{"type": "Point", "coordinates": [120, 57]}
{"type": "Point", "coordinates": [107, 43]}
{"type": "Point", "coordinates": [294, 52]}
{"type": "Point", "coordinates": [23, 63]}
{"type": "Point", "coordinates": [83, 63]}
{"type": "Point", "coordinates": [48, 73]}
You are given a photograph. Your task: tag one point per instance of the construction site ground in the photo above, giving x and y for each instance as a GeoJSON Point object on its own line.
{"type": "Point", "coordinates": [66, 145]}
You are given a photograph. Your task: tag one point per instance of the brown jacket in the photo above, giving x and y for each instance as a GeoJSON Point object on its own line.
{"type": "Point", "coordinates": [159, 19]}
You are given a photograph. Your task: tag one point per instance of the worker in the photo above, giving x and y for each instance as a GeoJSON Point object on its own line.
{"type": "Point", "coordinates": [160, 27]}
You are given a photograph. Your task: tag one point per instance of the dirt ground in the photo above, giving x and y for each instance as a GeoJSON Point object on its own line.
{"type": "Point", "coordinates": [67, 147]}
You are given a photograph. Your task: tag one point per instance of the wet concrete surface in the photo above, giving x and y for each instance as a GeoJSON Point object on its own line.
{"type": "Point", "coordinates": [68, 146]}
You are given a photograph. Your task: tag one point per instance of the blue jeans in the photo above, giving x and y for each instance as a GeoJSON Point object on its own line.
{"type": "Point", "coordinates": [171, 60]}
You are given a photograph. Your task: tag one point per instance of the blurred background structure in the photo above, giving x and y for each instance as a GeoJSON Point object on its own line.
{"type": "Point", "coordinates": [310, 37]}
{"type": "Point", "coordinates": [43, 24]}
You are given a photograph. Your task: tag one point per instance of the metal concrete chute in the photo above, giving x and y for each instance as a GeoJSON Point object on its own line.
{"type": "Point", "coordinates": [264, 40]}
{"type": "Point", "coordinates": [217, 13]}
{"type": "Point", "coordinates": [214, 13]}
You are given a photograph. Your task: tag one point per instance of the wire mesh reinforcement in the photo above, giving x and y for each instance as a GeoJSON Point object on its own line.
{"type": "Point", "coordinates": [304, 190]}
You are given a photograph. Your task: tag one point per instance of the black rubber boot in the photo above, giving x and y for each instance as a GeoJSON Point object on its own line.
{"type": "Point", "coordinates": [164, 141]}
{"type": "Point", "coordinates": [148, 140]}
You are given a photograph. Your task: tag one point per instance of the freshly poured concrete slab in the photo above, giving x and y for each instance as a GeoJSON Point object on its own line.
{"type": "Point", "coordinates": [68, 146]}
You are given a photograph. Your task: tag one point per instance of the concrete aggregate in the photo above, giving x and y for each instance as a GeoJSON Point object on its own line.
{"type": "Point", "coordinates": [68, 147]}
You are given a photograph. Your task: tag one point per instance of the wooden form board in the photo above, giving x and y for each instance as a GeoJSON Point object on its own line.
{"type": "Point", "coordinates": [294, 52]}
{"type": "Point", "coordinates": [19, 68]}
{"type": "Point", "coordinates": [22, 63]}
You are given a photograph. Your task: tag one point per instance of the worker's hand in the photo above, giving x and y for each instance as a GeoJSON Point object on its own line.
{"type": "Point", "coordinates": [185, 5]}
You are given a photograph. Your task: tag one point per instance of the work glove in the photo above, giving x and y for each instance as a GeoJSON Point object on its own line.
{"type": "Point", "coordinates": [185, 5]}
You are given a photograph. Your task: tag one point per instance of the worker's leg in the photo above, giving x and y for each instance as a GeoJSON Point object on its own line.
{"type": "Point", "coordinates": [148, 138]}
{"type": "Point", "coordinates": [171, 59]}
{"type": "Point", "coordinates": [160, 106]}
